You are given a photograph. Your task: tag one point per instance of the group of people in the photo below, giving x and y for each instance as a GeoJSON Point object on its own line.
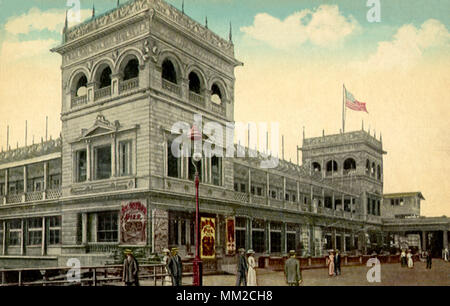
{"type": "Point", "coordinates": [406, 258]}
{"type": "Point", "coordinates": [174, 267]}
{"type": "Point", "coordinates": [246, 268]}
{"type": "Point", "coordinates": [334, 263]}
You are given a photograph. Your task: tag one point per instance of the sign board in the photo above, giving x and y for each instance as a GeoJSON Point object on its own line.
{"type": "Point", "coordinates": [133, 223]}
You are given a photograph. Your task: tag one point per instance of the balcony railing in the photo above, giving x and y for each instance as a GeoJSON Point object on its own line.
{"type": "Point", "coordinates": [13, 198]}
{"type": "Point", "coordinates": [102, 93]}
{"type": "Point", "coordinates": [172, 87]}
{"type": "Point", "coordinates": [196, 98]}
{"type": "Point", "coordinates": [54, 194]}
{"type": "Point", "coordinates": [34, 196]}
{"type": "Point", "coordinates": [259, 200]}
{"type": "Point", "coordinates": [78, 100]}
{"type": "Point", "coordinates": [218, 109]}
{"type": "Point", "coordinates": [129, 85]}
{"type": "Point", "coordinates": [241, 197]}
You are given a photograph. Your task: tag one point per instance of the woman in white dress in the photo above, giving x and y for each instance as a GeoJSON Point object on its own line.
{"type": "Point", "coordinates": [167, 281]}
{"type": "Point", "coordinates": [251, 274]}
{"type": "Point", "coordinates": [410, 259]}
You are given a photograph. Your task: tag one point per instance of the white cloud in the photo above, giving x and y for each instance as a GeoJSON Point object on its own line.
{"type": "Point", "coordinates": [323, 27]}
{"type": "Point", "coordinates": [13, 51]}
{"type": "Point", "coordinates": [408, 46]}
{"type": "Point", "coordinates": [35, 19]}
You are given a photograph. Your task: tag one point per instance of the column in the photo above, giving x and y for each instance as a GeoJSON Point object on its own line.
{"type": "Point", "coordinates": [22, 236]}
{"type": "Point", "coordinates": [424, 240]}
{"type": "Point", "coordinates": [90, 91]}
{"type": "Point", "coordinates": [115, 84]}
{"type": "Point", "coordinates": [45, 180]}
{"type": "Point", "coordinates": [445, 238]}
{"type": "Point", "coordinates": [312, 199]}
{"type": "Point", "coordinates": [268, 188]}
{"type": "Point", "coordinates": [312, 246]}
{"type": "Point", "coordinates": [248, 241]}
{"type": "Point", "coordinates": [298, 196]}
{"type": "Point", "coordinates": [284, 192]}
{"type": "Point", "coordinates": [44, 230]}
{"type": "Point", "coordinates": [113, 156]}
{"type": "Point", "coordinates": [4, 237]}
{"type": "Point", "coordinates": [6, 186]}
{"type": "Point", "coordinates": [88, 161]}
{"type": "Point", "coordinates": [267, 236]}
{"type": "Point", "coordinates": [249, 185]}
{"type": "Point", "coordinates": [333, 239]}
{"type": "Point", "coordinates": [25, 183]}
{"type": "Point", "coordinates": [84, 228]}
{"type": "Point", "coordinates": [343, 202]}
{"type": "Point", "coordinates": [283, 238]}
{"type": "Point", "coordinates": [333, 204]}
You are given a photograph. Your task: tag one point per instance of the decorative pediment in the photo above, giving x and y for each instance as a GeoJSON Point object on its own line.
{"type": "Point", "coordinates": [101, 127]}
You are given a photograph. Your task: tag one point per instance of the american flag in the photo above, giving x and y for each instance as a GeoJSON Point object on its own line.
{"type": "Point", "coordinates": [354, 104]}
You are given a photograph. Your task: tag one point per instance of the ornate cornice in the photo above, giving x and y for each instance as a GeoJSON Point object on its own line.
{"type": "Point", "coordinates": [35, 150]}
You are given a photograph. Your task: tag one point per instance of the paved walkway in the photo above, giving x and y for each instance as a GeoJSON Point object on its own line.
{"type": "Point", "coordinates": [391, 275]}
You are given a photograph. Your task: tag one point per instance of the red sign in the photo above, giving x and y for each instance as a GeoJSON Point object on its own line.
{"type": "Point", "coordinates": [231, 236]}
{"type": "Point", "coordinates": [133, 223]}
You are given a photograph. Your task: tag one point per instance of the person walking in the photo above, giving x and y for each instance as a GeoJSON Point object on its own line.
{"type": "Point", "coordinates": [337, 263]}
{"type": "Point", "coordinates": [251, 274]}
{"type": "Point", "coordinates": [403, 258]}
{"type": "Point", "coordinates": [330, 263]}
{"type": "Point", "coordinates": [242, 268]}
{"type": "Point", "coordinates": [429, 259]}
{"type": "Point", "coordinates": [130, 269]}
{"type": "Point", "coordinates": [292, 270]}
{"type": "Point", "coordinates": [176, 268]}
{"type": "Point", "coordinates": [409, 257]}
{"type": "Point", "coordinates": [167, 280]}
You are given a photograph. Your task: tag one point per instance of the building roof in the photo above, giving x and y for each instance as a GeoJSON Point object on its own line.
{"type": "Point", "coordinates": [404, 195]}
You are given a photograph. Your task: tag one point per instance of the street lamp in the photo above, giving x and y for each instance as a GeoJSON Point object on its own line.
{"type": "Point", "coordinates": [196, 137]}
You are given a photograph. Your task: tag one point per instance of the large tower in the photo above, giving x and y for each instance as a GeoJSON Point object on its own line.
{"type": "Point", "coordinates": [353, 159]}
{"type": "Point", "coordinates": [127, 77]}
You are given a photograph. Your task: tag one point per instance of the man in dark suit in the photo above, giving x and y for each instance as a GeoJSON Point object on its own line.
{"type": "Point", "coordinates": [337, 263]}
{"type": "Point", "coordinates": [242, 268]}
{"type": "Point", "coordinates": [130, 269]}
{"type": "Point", "coordinates": [176, 268]}
{"type": "Point", "coordinates": [292, 270]}
{"type": "Point", "coordinates": [428, 256]}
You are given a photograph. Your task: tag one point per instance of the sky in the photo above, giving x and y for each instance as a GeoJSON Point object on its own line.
{"type": "Point", "coordinates": [296, 55]}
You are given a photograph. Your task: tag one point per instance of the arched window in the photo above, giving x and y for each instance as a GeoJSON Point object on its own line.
{"type": "Point", "coordinates": [216, 94]}
{"type": "Point", "coordinates": [194, 83]}
{"type": "Point", "coordinates": [332, 166]}
{"type": "Point", "coordinates": [316, 167]}
{"type": "Point", "coordinates": [379, 172]}
{"type": "Point", "coordinates": [367, 167]}
{"type": "Point", "coordinates": [372, 170]}
{"type": "Point", "coordinates": [168, 71]}
{"type": "Point", "coordinates": [81, 86]}
{"type": "Point", "coordinates": [105, 77]}
{"type": "Point", "coordinates": [349, 165]}
{"type": "Point", "coordinates": [131, 70]}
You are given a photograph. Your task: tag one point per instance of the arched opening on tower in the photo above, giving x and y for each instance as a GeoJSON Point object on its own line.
{"type": "Point", "coordinates": [131, 70]}
{"type": "Point", "coordinates": [105, 77]}
{"type": "Point", "coordinates": [367, 167]}
{"type": "Point", "coordinates": [372, 170]}
{"type": "Point", "coordinates": [194, 83]}
{"type": "Point", "coordinates": [216, 94]}
{"type": "Point", "coordinates": [332, 167]}
{"type": "Point", "coordinates": [168, 71]}
{"type": "Point", "coordinates": [349, 165]}
{"type": "Point", "coordinates": [316, 167]}
{"type": "Point", "coordinates": [81, 86]}
{"type": "Point", "coordinates": [379, 172]}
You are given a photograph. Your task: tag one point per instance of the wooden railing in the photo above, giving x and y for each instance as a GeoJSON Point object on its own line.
{"type": "Point", "coordinates": [89, 276]}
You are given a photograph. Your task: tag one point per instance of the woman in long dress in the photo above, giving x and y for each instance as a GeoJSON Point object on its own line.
{"type": "Point", "coordinates": [251, 274]}
{"type": "Point", "coordinates": [410, 260]}
{"type": "Point", "coordinates": [331, 264]}
{"type": "Point", "coordinates": [167, 281]}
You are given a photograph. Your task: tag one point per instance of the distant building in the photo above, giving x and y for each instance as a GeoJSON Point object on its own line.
{"type": "Point", "coordinates": [402, 205]}
{"type": "Point", "coordinates": [111, 181]}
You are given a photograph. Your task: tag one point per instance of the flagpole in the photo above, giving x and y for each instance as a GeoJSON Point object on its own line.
{"type": "Point", "coordinates": [343, 108]}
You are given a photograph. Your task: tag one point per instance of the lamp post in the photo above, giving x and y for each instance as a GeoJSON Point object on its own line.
{"type": "Point", "coordinates": [196, 136]}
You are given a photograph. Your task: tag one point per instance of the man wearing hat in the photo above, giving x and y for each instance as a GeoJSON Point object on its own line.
{"type": "Point", "coordinates": [176, 268]}
{"type": "Point", "coordinates": [292, 270]}
{"type": "Point", "coordinates": [242, 268]}
{"type": "Point", "coordinates": [130, 269]}
{"type": "Point", "coordinates": [337, 263]}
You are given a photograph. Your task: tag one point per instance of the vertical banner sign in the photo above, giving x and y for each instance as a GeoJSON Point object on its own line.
{"type": "Point", "coordinates": [208, 238]}
{"type": "Point", "coordinates": [231, 236]}
{"type": "Point", "coordinates": [133, 223]}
